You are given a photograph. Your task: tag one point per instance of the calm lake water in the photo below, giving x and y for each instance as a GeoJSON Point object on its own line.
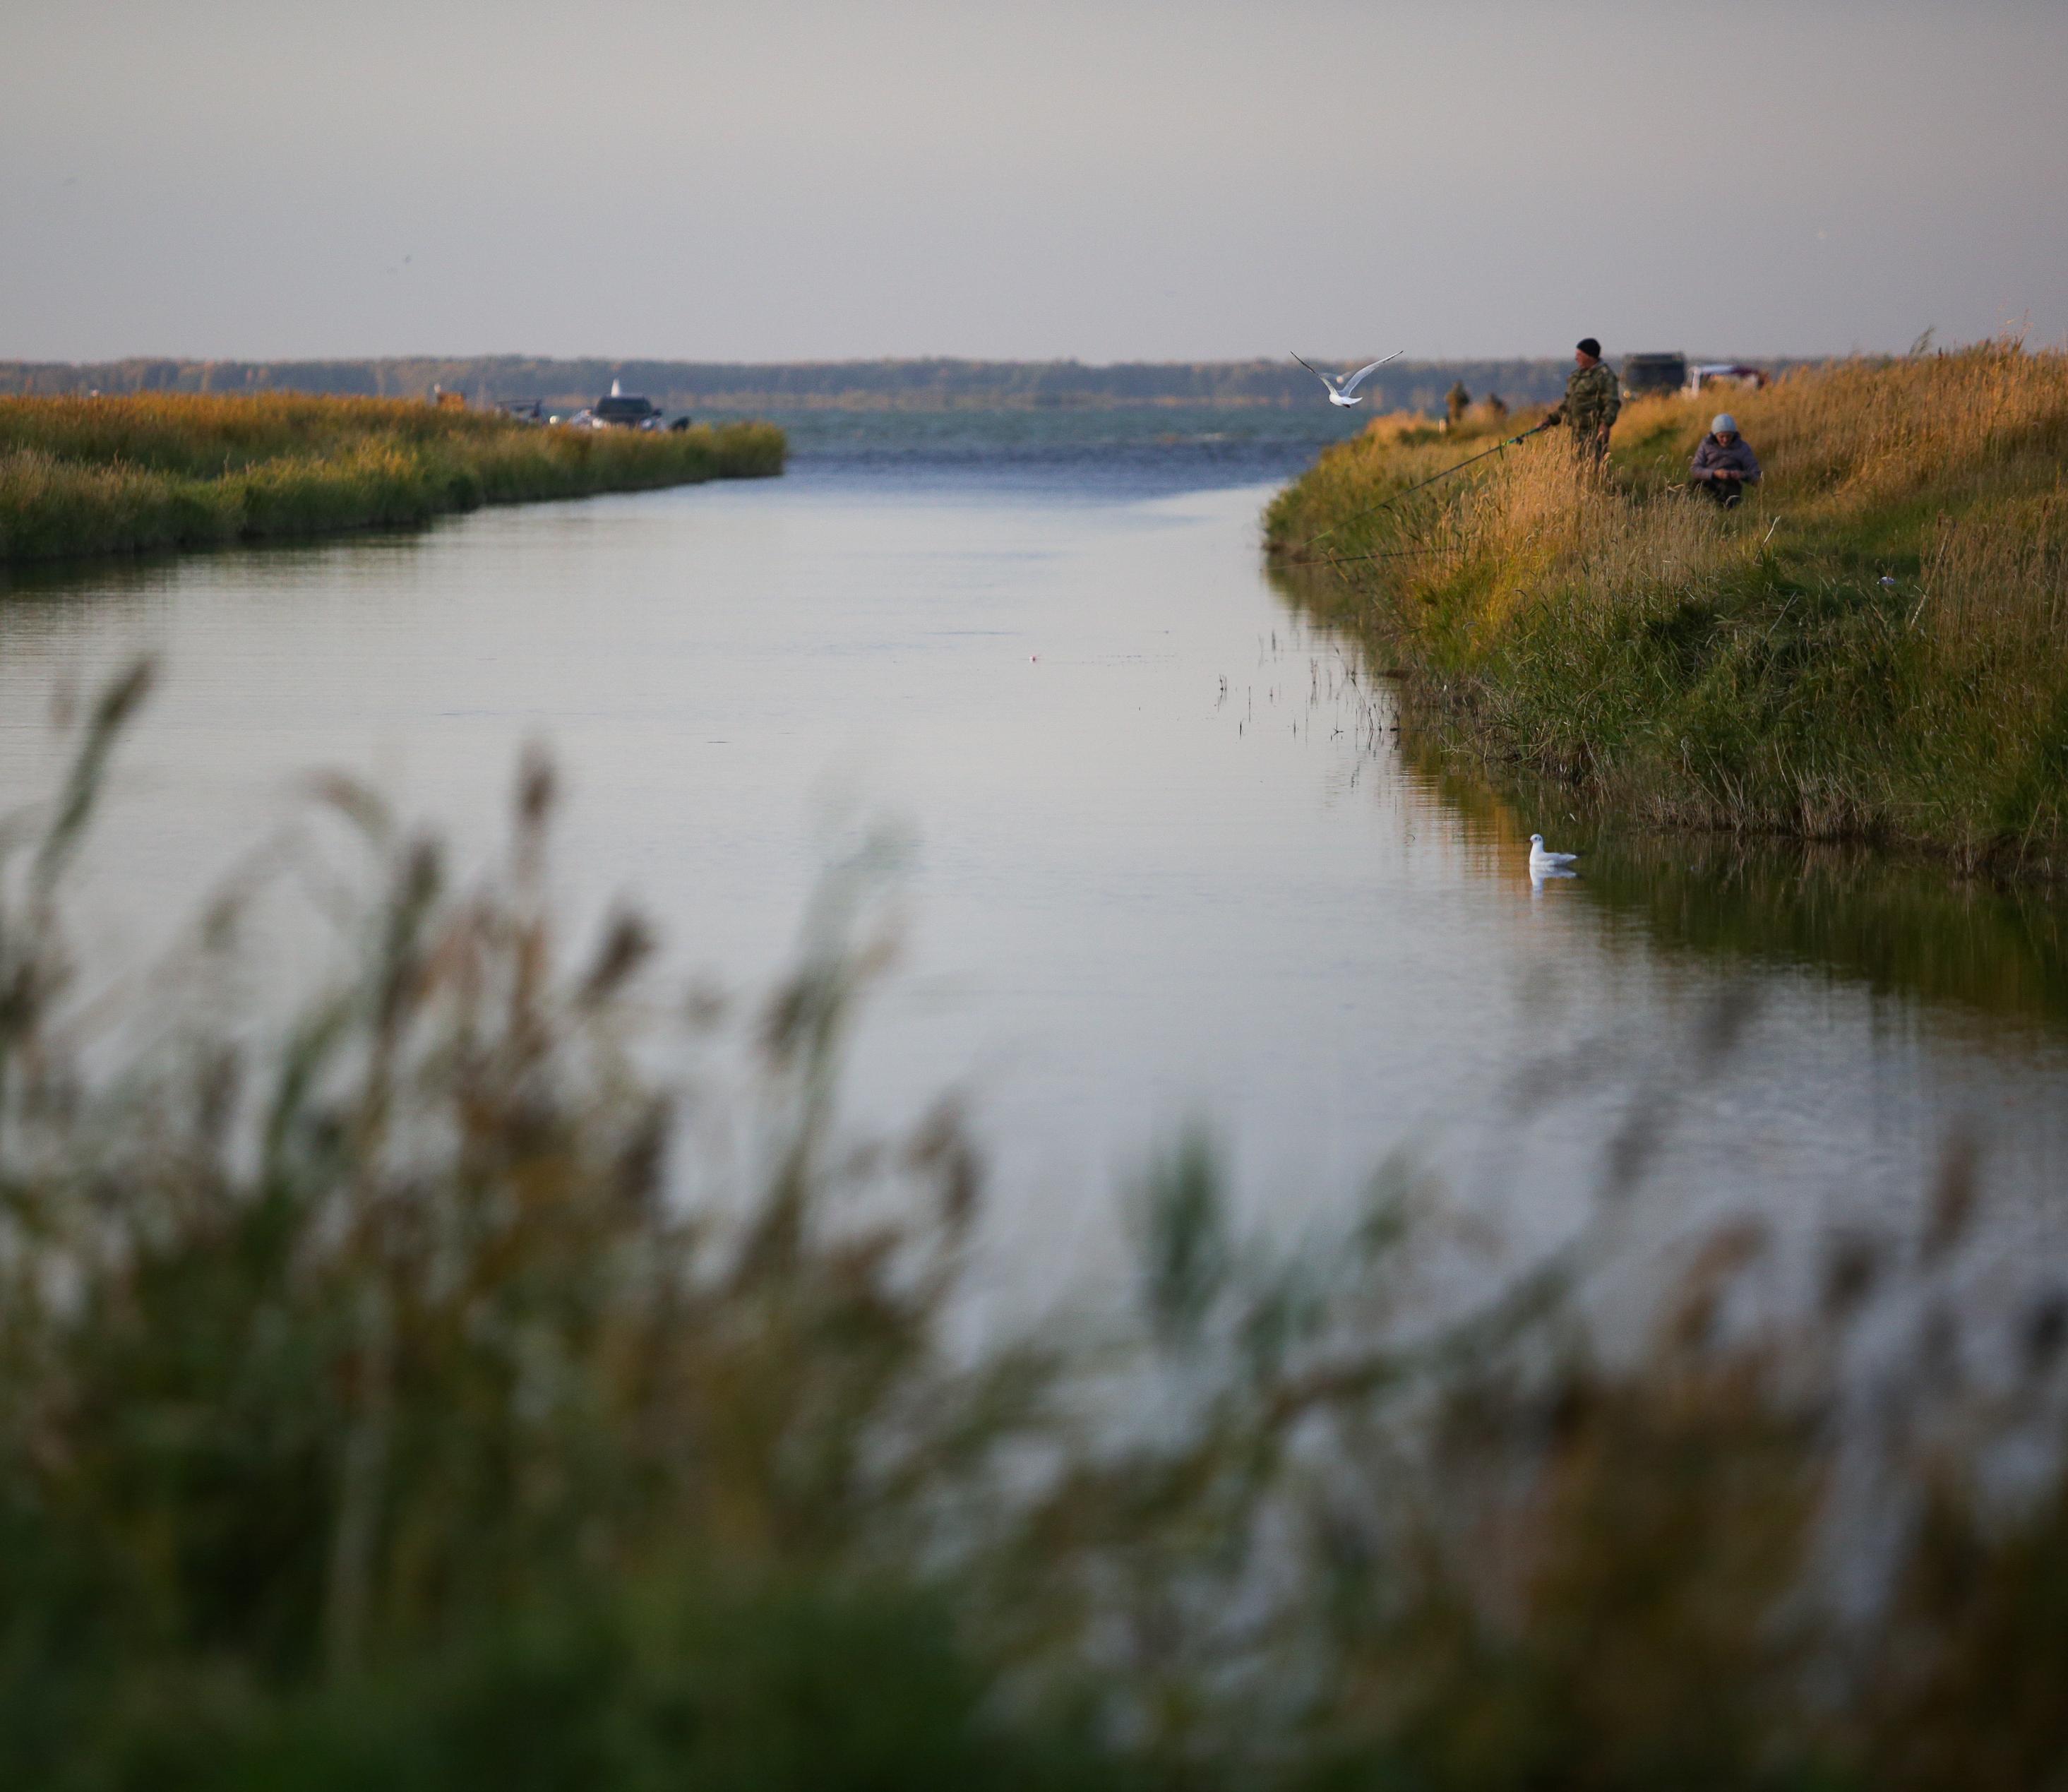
{"type": "Point", "coordinates": [1168, 861]}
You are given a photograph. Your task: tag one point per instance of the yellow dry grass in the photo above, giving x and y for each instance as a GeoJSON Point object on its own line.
{"type": "Point", "coordinates": [160, 470]}
{"type": "Point", "coordinates": [1876, 642]}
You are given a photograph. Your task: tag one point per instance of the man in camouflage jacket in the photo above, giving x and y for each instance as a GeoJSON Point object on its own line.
{"type": "Point", "coordinates": [1591, 402]}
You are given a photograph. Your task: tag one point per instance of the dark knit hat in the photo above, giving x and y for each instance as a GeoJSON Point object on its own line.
{"type": "Point", "coordinates": [1588, 346]}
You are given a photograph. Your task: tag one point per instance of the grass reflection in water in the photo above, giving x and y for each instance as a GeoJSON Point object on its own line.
{"type": "Point", "coordinates": [1900, 923]}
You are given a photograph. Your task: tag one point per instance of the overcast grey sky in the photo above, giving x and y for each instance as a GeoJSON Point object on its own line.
{"type": "Point", "coordinates": [784, 180]}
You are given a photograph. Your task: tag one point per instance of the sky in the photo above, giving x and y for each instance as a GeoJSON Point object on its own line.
{"type": "Point", "coordinates": [1120, 180]}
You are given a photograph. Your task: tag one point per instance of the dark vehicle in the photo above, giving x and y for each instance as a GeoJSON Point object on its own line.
{"type": "Point", "coordinates": [1646, 376]}
{"type": "Point", "coordinates": [627, 410]}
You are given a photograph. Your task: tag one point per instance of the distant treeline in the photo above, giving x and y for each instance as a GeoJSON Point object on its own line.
{"type": "Point", "coordinates": [686, 385]}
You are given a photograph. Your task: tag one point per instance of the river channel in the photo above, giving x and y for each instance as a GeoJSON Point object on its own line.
{"type": "Point", "coordinates": [1167, 861]}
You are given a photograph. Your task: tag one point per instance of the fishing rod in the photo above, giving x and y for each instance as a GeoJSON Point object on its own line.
{"type": "Point", "coordinates": [1336, 562]}
{"type": "Point", "coordinates": [1384, 553]}
{"type": "Point", "coordinates": [1387, 503]}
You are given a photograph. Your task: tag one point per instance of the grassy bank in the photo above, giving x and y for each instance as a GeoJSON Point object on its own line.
{"type": "Point", "coordinates": [379, 1409]}
{"type": "Point", "coordinates": [1892, 920]}
{"type": "Point", "coordinates": [1875, 646]}
{"type": "Point", "coordinates": [82, 476]}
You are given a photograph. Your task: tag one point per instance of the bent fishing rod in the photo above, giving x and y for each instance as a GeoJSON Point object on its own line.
{"type": "Point", "coordinates": [1387, 503]}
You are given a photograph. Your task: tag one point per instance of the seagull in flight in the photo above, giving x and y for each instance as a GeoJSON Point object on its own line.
{"type": "Point", "coordinates": [1344, 391]}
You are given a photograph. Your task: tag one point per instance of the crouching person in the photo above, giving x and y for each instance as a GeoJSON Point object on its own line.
{"type": "Point", "coordinates": [1724, 464]}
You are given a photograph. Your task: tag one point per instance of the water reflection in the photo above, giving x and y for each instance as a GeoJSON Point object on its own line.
{"type": "Point", "coordinates": [1899, 924]}
{"type": "Point", "coordinates": [1173, 860]}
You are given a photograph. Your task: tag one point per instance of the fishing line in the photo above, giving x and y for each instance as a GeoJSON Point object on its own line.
{"type": "Point", "coordinates": [1387, 503]}
{"type": "Point", "coordinates": [1385, 553]}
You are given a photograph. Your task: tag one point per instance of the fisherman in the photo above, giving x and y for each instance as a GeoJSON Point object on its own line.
{"type": "Point", "coordinates": [1456, 402]}
{"type": "Point", "coordinates": [1589, 406]}
{"type": "Point", "coordinates": [1724, 464]}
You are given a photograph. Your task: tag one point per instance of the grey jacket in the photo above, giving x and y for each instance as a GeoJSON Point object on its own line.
{"type": "Point", "coordinates": [1737, 459]}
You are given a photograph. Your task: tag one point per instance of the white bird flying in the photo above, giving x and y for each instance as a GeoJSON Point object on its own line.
{"type": "Point", "coordinates": [1344, 391]}
{"type": "Point", "coordinates": [1541, 861]}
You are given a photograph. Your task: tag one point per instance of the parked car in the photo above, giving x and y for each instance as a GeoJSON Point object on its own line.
{"type": "Point", "coordinates": [1646, 376]}
{"type": "Point", "coordinates": [626, 410]}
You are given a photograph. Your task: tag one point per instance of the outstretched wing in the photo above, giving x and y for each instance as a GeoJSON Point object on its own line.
{"type": "Point", "coordinates": [1318, 374]}
{"type": "Point", "coordinates": [1357, 379]}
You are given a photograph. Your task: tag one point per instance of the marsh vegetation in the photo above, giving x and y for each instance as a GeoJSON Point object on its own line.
{"type": "Point", "coordinates": [1874, 646]}
{"type": "Point", "coordinates": [414, 1394]}
{"type": "Point", "coordinates": [111, 475]}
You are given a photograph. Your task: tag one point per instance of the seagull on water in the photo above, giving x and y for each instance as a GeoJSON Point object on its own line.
{"type": "Point", "coordinates": [1343, 391]}
{"type": "Point", "coordinates": [1544, 864]}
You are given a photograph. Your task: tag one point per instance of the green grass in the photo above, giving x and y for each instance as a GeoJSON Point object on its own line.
{"type": "Point", "coordinates": [1874, 647]}
{"type": "Point", "coordinates": [150, 473]}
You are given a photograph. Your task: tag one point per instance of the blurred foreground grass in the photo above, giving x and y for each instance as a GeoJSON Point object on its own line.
{"type": "Point", "coordinates": [150, 471]}
{"type": "Point", "coordinates": [375, 1412]}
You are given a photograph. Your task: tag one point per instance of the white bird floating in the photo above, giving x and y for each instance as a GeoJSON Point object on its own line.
{"type": "Point", "coordinates": [1546, 864]}
{"type": "Point", "coordinates": [1344, 391]}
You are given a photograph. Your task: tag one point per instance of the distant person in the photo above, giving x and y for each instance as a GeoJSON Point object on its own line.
{"type": "Point", "coordinates": [1456, 402]}
{"type": "Point", "coordinates": [1496, 407]}
{"type": "Point", "coordinates": [1724, 464]}
{"type": "Point", "coordinates": [1589, 406]}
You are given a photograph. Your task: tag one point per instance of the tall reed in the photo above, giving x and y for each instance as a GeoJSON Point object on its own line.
{"type": "Point", "coordinates": [379, 1408]}
{"type": "Point", "coordinates": [84, 476]}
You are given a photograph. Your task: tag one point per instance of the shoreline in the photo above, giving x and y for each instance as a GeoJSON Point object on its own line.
{"type": "Point", "coordinates": [1870, 650]}
{"type": "Point", "coordinates": [108, 478]}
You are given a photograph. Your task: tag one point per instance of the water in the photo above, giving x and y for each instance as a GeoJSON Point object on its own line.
{"type": "Point", "coordinates": [1168, 864]}
{"type": "Point", "coordinates": [1109, 451]}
